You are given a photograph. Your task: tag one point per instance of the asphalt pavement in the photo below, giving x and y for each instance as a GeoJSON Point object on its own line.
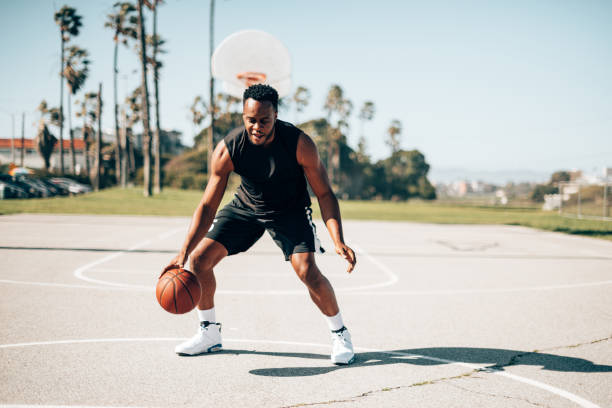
{"type": "Point", "coordinates": [441, 316]}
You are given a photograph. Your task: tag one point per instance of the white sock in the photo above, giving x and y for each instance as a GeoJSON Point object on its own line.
{"type": "Point", "coordinates": [334, 322]}
{"type": "Point", "coordinates": [207, 315]}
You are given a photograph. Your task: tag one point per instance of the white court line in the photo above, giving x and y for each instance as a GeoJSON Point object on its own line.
{"type": "Point", "coordinates": [485, 369]}
{"type": "Point", "coordinates": [136, 288]}
{"type": "Point", "coordinates": [59, 406]}
{"type": "Point", "coordinates": [358, 290]}
{"type": "Point", "coordinates": [393, 278]}
{"type": "Point", "coordinates": [80, 274]}
{"type": "Point", "coordinates": [484, 291]}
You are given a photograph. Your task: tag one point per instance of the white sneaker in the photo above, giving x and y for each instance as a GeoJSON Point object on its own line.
{"type": "Point", "coordinates": [206, 340]}
{"type": "Point", "coordinates": [342, 348]}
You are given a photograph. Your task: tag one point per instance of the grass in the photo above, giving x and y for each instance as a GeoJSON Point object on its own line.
{"type": "Point", "coordinates": [172, 202]}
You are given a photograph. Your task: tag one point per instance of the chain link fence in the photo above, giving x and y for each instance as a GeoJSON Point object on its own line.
{"type": "Point", "coordinates": [590, 201]}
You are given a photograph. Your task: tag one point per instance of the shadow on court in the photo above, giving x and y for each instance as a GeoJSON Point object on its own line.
{"type": "Point", "coordinates": [494, 359]}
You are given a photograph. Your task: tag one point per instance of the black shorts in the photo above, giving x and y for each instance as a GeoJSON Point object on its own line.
{"type": "Point", "coordinates": [237, 230]}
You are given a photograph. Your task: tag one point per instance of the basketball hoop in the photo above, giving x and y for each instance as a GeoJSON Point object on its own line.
{"type": "Point", "coordinates": [252, 57]}
{"type": "Point", "coordinates": [251, 78]}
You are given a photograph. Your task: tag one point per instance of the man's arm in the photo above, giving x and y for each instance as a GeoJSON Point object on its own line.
{"type": "Point", "coordinates": [204, 214]}
{"type": "Point", "coordinates": [308, 158]}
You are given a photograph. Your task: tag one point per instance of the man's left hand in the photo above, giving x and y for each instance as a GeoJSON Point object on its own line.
{"type": "Point", "coordinates": [347, 253]}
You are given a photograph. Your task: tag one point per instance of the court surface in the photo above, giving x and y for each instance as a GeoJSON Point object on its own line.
{"type": "Point", "coordinates": [441, 316]}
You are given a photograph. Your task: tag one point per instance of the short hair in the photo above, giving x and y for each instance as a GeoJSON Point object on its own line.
{"type": "Point", "coordinates": [261, 93]}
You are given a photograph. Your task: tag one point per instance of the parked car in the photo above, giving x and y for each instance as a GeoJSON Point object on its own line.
{"type": "Point", "coordinates": [32, 191]}
{"type": "Point", "coordinates": [72, 186]}
{"type": "Point", "coordinates": [57, 188]}
{"type": "Point", "coordinates": [9, 190]}
{"type": "Point", "coordinates": [43, 191]}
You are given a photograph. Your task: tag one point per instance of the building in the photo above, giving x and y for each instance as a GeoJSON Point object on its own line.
{"type": "Point", "coordinates": [11, 150]}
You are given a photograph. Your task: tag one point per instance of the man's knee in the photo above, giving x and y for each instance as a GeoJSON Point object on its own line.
{"type": "Point", "coordinates": [307, 271]}
{"type": "Point", "coordinates": [206, 256]}
{"type": "Point", "coordinates": [200, 263]}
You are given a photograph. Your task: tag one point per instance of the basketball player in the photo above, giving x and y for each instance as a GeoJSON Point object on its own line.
{"type": "Point", "coordinates": [272, 157]}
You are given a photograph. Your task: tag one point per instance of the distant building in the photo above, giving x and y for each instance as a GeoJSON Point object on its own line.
{"type": "Point", "coordinates": [11, 153]}
{"type": "Point", "coordinates": [10, 149]}
{"type": "Point", "coordinates": [552, 202]}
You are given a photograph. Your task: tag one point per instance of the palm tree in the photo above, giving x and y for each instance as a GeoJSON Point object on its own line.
{"type": "Point", "coordinates": [88, 111]}
{"type": "Point", "coordinates": [146, 142]}
{"type": "Point", "coordinates": [75, 72]}
{"type": "Point", "coordinates": [336, 103]}
{"type": "Point", "coordinates": [197, 114]}
{"type": "Point", "coordinates": [97, 156]}
{"type": "Point", "coordinates": [301, 98]}
{"type": "Point", "coordinates": [366, 114]}
{"type": "Point", "coordinates": [123, 22]}
{"type": "Point", "coordinates": [344, 111]}
{"type": "Point", "coordinates": [45, 141]}
{"type": "Point", "coordinates": [332, 102]}
{"type": "Point", "coordinates": [133, 115]}
{"type": "Point", "coordinates": [69, 23]}
{"type": "Point", "coordinates": [394, 131]}
{"type": "Point", "coordinates": [211, 102]}
{"type": "Point", "coordinates": [156, 43]}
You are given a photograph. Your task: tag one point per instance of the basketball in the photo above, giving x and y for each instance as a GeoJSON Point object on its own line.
{"type": "Point", "coordinates": [178, 291]}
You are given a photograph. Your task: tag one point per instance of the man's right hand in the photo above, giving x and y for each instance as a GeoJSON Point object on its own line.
{"type": "Point", "coordinates": [178, 262]}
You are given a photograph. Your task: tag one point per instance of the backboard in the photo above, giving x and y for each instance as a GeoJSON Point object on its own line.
{"type": "Point", "coordinates": [252, 57]}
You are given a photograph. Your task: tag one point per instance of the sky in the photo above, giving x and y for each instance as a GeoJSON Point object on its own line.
{"type": "Point", "coordinates": [509, 90]}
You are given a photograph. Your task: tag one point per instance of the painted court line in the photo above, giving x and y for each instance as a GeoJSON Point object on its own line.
{"type": "Point", "coordinates": [485, 369]}
{"type": "Point", "coordinates": [59, 406]}
{"type": "Point", "coordinates": [79, 273]}
{"type": "Point", "coordinates": [392, 279]}
{"type": "Point", "coordinates": [137, 288]}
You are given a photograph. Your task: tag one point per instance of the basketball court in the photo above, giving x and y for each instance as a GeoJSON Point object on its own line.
{"type": "Point", "coordinates": [441, 315]}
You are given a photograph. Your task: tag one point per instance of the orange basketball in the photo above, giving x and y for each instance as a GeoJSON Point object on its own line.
{"type": "Point", "coordinates": [178, 291]}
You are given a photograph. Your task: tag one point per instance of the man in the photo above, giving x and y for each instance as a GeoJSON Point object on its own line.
{"type": "Point", "coordinates": [272, 157]}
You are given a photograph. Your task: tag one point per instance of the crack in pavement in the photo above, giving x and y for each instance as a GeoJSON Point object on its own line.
{"type": "Point", "coordinates": [385, 389]}
{"type": "Point", "coordinates": [499, 396]}
{"type": "Point", "coordinates": [575, 345]}
{"type": "Point", "coordinates": [497, 367]}
{"type": "Point", "coordinates": [514, 360]}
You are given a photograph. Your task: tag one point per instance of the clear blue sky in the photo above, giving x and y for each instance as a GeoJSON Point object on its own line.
{"type": "Point", "coordinates": [478, 85]}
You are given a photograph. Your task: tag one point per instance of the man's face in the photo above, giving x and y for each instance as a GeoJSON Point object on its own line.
{"type": "Point", "coordinates": [259, 118]}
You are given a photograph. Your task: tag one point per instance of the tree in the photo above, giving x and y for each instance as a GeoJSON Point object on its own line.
{"type": "Point", "coordinates": [69, 23]}
{"type": "Point", "coordinates": [45, 141]}
{"type": "Point", "coordinates": [211, 89]}
{"type": "Point", "coordinates": [406, 176]}
{"type": "Point", "coordinates": [133, 115]}
{"type": "Point", "coordinates": [199, 111]}
{"type": "Point", "coordinates": [559, 176]}
{"type": "Point", "coordinates": [366, 114]}
{"type": "Point", "coordinates": [335, 103]}
{"type": "Point", "coordinates": [88, 111]}
{"type": "Point", "coordinates": [97, 156]}
{"type": "Point", "coordinates": [124, 22]}
{"type": "Point", "coordinates": [300, 98]}
{"type": "Point", "coordinates": [146, 142]}
{"type": "Point", "coordinates": [156, 43]}
{"type": "Point", "coordinates": [75, 72]}
{"type": "Point", "coordinates": [394, 131]}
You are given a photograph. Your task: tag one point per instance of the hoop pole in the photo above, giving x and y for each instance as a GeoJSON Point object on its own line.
{"type": "Point", "coordinates": [605, 198]}
{"type": "Point", "coordinates": [560, 198]}
{"type": "Point", "coordinates": [579, 202]}
{"type": "Point", "coordinates": [211, 104]}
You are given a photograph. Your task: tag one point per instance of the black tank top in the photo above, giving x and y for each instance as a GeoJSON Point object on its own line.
{"type": "Point", "coordinates": [273, 181]}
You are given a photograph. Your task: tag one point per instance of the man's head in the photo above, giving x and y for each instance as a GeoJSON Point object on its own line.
{"type": "Point", "coordinates": [260, 110]}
